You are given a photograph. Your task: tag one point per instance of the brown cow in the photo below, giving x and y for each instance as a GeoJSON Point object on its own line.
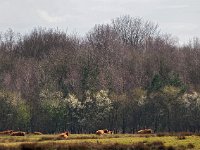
{"type": "Point", "coordinates": [145, 131]}
{"type": "Point", "coordinates": [105, 131]}
{"type": "Point", "coordinates": [63, 136]}
{"type": "Point", "coordinates": [19, 133]}
{"type": "Point", "coordinates": [7, 132]}
{"type": "Point", "coordinates": [100, 132]}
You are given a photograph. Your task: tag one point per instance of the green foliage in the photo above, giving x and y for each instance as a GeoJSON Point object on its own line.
{"type": "Point", "coordinates": [171, 91]}
{"type": "Point", "coordinates": [139, 95]}
{"type": "Point", "coordinates": [89, 75]}
{"type": "Point", "coordinates": [53, 110]}
{"type": "Point", "coordinates": [14, 111]}
{"type": "Point", "coordinates": [157, 83]}
{"type": "Point", "coordinates": [23, 116]}
{"type": "Point", "coordinates": [172, 79]}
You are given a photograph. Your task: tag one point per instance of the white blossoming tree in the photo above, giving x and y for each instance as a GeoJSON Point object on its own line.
{"type": "Point", "coordinates": [95, 110]}
{"type": "Point", "coordinates": [191, 103]}
{"type": "Point", "coordinates": [73, 109]}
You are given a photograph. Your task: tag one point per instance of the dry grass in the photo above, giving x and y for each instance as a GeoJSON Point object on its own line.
{"type": "Point", "coordinates": [98, 146]}
{"type": "Point", "coordinates": [176, 134]}
{"type": "Point", "coordinates": [92, 141]}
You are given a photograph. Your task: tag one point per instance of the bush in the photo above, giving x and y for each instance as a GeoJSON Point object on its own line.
{"type": "Point", "coordinates": [190, 146]}
{"type": "Point", "coordinates": [181, 137]}
{"type": "Point", "coordinates": [156, 145]}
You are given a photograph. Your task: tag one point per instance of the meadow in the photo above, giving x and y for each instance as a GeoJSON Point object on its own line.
{"type": "Point", "coordinates": [93, 142]}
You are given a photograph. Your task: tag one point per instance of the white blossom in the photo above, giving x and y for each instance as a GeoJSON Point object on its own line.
{"type": "Point", "coordinates": [73, 102]}
{"type": "Point", "coordinates": [191, 99]}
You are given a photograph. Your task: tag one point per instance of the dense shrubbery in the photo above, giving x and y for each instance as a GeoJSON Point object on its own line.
{"type": "Point", "coordinates": [14, 112]}
{"type": "Point", "coordinates": [124, 76]}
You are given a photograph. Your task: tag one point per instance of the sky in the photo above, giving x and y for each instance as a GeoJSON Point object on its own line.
{"type": "Point", "coordinates": [181, 18]}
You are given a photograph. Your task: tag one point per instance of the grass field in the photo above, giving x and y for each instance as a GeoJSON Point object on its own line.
{"type": "Point", "coordinates": [92, 141]}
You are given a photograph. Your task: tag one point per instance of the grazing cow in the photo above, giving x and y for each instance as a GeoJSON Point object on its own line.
{"type": "Point", "coordinates": [19, 133]}
{"type": "Point", "coordinates": [6, 132]}
{"type": "Point", "coordinates": [100, 132]}
{"type": "Point", "coordinates": [63, 135]}
{"type": "Point", "coordinates": [105, 131]}
{"type": "Point", "coordinates": [37, 133]}
{"type": "Point", "coordinates": [145, 131]}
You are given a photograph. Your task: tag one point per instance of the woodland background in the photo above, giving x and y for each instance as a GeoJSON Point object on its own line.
{"type": "Point", "coordinates": [123, 76]}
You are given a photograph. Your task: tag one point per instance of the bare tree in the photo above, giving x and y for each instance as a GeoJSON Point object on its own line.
{"type": "Point", "coordinates": [134, 31]}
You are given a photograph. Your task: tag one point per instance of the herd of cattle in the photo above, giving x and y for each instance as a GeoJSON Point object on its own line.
{"type": "Point", "coordinates": [64, 135]}
{"type": "Point", "coordinates": [105, 131]}
{"type": "Point", "coordinates": [18, 133]}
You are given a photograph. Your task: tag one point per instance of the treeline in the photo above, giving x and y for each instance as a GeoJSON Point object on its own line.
{"type": "Point", "coordinates": [123, 76]}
